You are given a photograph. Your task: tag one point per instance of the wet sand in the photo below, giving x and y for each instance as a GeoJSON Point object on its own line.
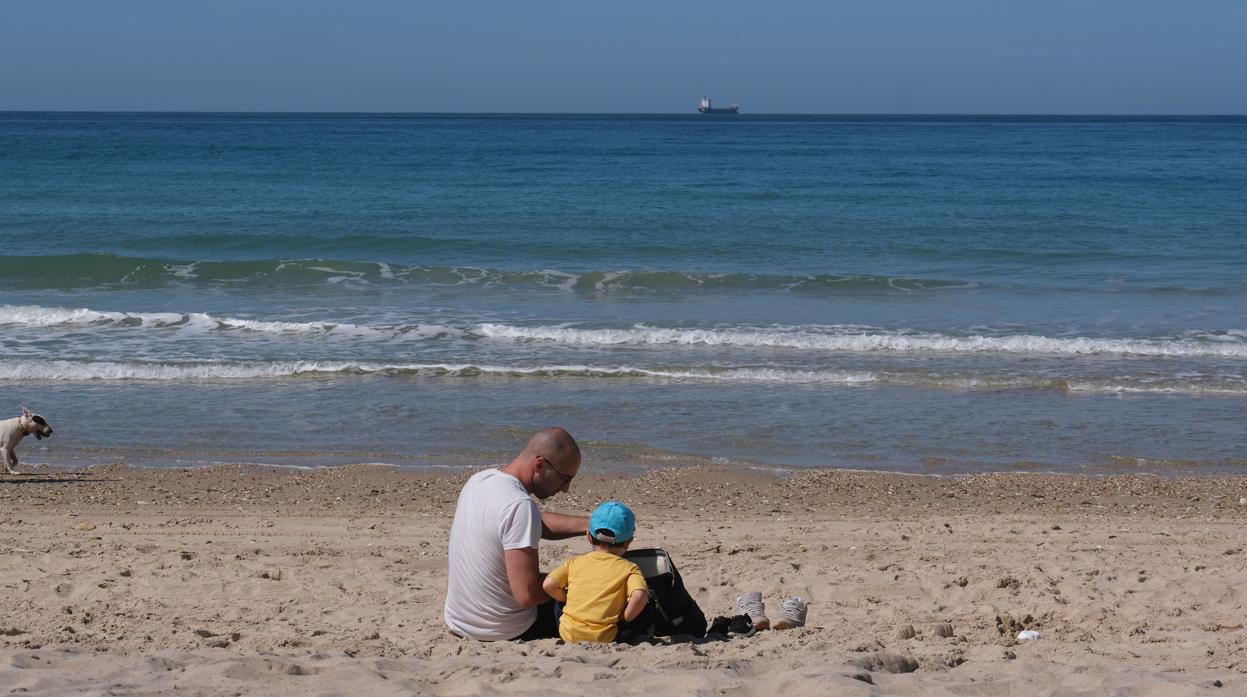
{"type": "Point", "coordinates": [240, 580]}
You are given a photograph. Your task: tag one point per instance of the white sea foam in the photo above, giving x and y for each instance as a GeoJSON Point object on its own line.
{"type": "Point", "coordinates": [560, 279]}
{"type": "Point", "coordinates": [867, 341]}
{"type": "Point", "coordinates": [86, 371]}
{"type": "Point", "coordinates": [186, 271]}
{"type": "Point", "coordinates": [1231, 344]}
{"type": "Point", "coordinates": [63, 370]}
{"type": "Point", "coordinates": [34, 316]}
{"type": "Point", "coordinates": [76, 371]}
{"type": "Point", "coordinates": [326, 269]}
{"type": "Point", "coordinates": [272, 327]}
{"type": "Point", "coordinates": [608, 278]}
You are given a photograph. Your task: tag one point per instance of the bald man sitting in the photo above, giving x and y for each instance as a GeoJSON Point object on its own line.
{"type": "Point", "coordinates": [494, 592]}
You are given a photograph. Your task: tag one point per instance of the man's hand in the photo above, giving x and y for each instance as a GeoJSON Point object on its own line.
{"type": "Point", "coordinates": [560, 526]}
{"type": "Point", "coordinates": [524, 576]}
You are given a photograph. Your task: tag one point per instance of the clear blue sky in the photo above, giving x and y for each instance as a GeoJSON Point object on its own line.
{"type": "Point", "coordinates": [782, 56]}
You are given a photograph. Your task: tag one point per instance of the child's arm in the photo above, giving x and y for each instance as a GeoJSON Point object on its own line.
{"type": "Point", "coordinates": [636, 603]}
{"type": "Point", "coordinates": [553, 589]}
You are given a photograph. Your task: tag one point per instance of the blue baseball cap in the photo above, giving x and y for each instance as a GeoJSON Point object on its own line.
{"type": "Point", "coordinates": [612, 522]}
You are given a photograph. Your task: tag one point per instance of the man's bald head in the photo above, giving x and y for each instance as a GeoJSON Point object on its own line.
{"type": "Point", "coordinates": [548, 463]}
{"type": "Point", "coordinates": [554, 445]}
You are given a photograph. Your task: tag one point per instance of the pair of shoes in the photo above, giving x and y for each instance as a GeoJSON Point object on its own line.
{"type": "Point", "coordinates": [792, 611]}
{"type": "Point", "coordinates": [731, 627]}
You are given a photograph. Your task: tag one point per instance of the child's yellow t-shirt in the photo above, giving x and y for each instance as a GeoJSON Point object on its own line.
{"type": "Point", "coordinates": [598, 585]}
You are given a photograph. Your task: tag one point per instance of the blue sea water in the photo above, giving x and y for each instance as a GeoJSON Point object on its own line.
{"type": "Point", "coordinates": [930, 294]}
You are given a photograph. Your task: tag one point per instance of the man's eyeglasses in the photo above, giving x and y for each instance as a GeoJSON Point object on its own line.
{"type": "Point", "coordinates": [567, 479]}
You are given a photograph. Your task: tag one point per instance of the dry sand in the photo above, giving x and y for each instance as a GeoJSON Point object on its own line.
{"type": "Point", "coordinates": [244, 581]}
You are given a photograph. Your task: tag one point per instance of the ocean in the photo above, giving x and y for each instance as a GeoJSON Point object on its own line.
{"type": "Point", "coordinates": [936, 294]}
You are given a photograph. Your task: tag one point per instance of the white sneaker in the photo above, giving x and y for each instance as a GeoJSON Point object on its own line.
{"type": "Point", "coordinates": [791, 613]}
{"type": "Point", "coordinates": [750, 603]}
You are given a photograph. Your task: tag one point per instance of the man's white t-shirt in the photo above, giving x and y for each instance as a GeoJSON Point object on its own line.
{"type": "Point", "coordinates": [494, 513]}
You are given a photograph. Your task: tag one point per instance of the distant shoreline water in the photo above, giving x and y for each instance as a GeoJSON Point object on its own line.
{"type": "Point", "coordinates": [918, 293]}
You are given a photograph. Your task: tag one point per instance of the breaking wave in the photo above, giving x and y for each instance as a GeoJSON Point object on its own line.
{"type": "Point", "coordinates": [866, 340]}
{"type": "Point", "coordinates": [58, 370]}
{"type": "Point", "coordinates": [191, 371]}
{"type": "Point", "coordinates": [1230, 344]}
{"type": "Point", "coordinates": [34, 316]}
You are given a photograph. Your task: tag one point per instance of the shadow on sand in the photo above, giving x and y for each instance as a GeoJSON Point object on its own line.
{"type": "Point", "coordinates": [26, 478]}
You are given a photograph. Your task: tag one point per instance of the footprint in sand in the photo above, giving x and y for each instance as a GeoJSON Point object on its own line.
{"type": "Point", "coordinates": [28, 661]}
{"type": "Point", "coordinates": [165, 664]}
{"type": "Point", "coordinates": [263, 669]}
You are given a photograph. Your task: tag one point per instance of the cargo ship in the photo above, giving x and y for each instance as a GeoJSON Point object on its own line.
{"type": "Point", "coordinates": [704, 107]}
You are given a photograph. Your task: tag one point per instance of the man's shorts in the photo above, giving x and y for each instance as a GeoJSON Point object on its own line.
{"type": "Point", "coordinates": [545, 626]}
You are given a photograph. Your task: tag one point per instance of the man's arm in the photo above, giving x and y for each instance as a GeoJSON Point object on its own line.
{"type": "Point", "coordinates": [524, 577]}
{"type": "Point", "coordinates": [560, 526]}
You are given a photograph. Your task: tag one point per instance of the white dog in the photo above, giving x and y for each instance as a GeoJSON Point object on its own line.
{"type": "Point", "coordinates": [12, 431]}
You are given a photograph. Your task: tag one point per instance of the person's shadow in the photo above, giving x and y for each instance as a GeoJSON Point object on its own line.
{"type": "Point", "coordinates": [34, 478]}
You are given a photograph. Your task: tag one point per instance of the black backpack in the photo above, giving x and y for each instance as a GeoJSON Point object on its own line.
{"type": "Point", "coordinates": [671, 610]}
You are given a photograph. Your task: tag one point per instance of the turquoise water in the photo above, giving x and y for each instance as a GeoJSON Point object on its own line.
{"type": "Point", "coordinates": [935, 294]}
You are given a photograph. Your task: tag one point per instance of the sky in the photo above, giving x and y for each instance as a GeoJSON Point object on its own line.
{"type": "Point", "coordinates": [781, 56]}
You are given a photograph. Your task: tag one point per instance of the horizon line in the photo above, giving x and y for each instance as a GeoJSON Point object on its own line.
{"type": "Point", "coordinates": [628, 113]}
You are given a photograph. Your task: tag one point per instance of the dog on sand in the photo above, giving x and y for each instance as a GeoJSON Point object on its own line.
{"type": "Point", "coordinates": [12, 431]}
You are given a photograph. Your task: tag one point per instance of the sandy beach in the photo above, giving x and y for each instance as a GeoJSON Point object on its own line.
{"type": "Point", "coordinates": [249, 581]}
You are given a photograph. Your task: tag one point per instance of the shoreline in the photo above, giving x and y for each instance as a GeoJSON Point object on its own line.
{"type": "Point", "coordinates": [235, 579]}
{"type": "Point", "coordinates": [246, 485]}
{"type": "Point", "coordinates": [1164, 468]}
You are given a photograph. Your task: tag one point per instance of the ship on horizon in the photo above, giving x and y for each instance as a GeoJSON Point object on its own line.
{"type": "Point", "coordinates": [704, 107]}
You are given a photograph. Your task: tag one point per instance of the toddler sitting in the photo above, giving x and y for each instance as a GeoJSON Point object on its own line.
{"type": "Point", "coordinates": [601, 588]}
